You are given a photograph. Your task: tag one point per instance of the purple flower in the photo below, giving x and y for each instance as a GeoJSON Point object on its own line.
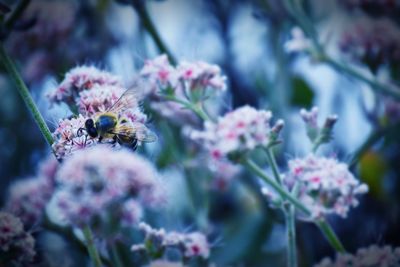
{"type": "Point", "coordinates": [16, 245]}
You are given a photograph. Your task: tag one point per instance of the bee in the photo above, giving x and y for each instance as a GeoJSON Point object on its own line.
{"type": "Point", "coordinates": [112, 126]}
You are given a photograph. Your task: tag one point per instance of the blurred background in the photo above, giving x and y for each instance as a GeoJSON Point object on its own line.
{"type": "Point", "coordinates": [263, 54]}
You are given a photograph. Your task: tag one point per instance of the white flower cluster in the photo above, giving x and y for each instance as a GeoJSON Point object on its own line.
{"type": "Point", "coordinates": [326, 186]}
{"type": "Point", "coordinates": [240, 130]}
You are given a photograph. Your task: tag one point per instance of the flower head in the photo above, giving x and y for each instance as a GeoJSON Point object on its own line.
{"type": "Point", "coordinates": [16, 245]}
{"type": "Point", "coordinates": [201, 75]}
{"type": "Point", "coordinates": [191, 245]}
{"type": "Point", "coordinates": [238, 131]}
{"type": "Point", "coordinates": [325, 185]}
{"type": "Point", "coordinates": [366, 257]}
{"type": "Point", "coordinates": [93, 179]}
{"type": "Point", "coordinates": [160, 73]}
{"type": "Point", "coordinates": [80, 79]}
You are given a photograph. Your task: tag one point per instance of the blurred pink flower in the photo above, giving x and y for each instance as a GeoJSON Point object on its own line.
{"type": "Point", "coordinates": [28, 198]}
{"type": "Point", "coordinates": [240, 130]}
{"type": "Point", "coordinates": [94, 178]}
{"type": "Point", "coordinates": [372, 256]}
{"type": "Point", "coordinates": [326, 186]}
{"type": "Point", "coordinates": [16, 245]}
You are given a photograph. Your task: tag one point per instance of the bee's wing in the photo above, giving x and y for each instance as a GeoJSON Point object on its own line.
{"type": "Point", "coordinates": [136, 130]}
{"type": "Point", "coordinates": [144, 134]}
{"type": "Point", "coordinates": [129, 99]}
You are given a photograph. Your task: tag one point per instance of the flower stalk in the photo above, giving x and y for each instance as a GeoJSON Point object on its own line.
{"type": "Point", "coordinates": [94, 255]}
{"type": "Point", "coordinates": [24, 92]}
{"type": "Point", "coordinates": [291, 236]}
{"type": "Point", "coordinates": [330, 235]}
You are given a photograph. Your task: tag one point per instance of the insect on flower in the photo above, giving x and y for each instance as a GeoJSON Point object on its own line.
{"type": "Point", "coordinates": [112, 125]}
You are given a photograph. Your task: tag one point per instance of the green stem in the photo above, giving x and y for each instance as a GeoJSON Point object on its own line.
{"type": "Point", "coordinates": [195, 108]}
{"type": "Point", "coordinates": [148, 23]}
{"type": "Point", "coordinates": [291, 236]}
{"type": "Point", "coordinates": [94, 255]}
{"type": "Point", "coordinates": [330, 235]}
{"type": "Point", "coordinates": [252, 166]}
{"type": "Point", "coordinates": [375, 85]}
{"type": "Point", "coordinates": [115, 255]}
{"type": "Point", "coordinates": [272, 162]}
{"type": "Point", "coordinates": [24, 92]}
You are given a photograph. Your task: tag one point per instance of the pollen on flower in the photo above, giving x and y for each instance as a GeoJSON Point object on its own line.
{"type": "Point", "coordinates": [326, 186]}
{"type": "Point", "coordinates": [366, 257]}
{"type": "Point", "coordinates": [80, 79]}
{"type": "Point", "coordinates": [93, 179]}
{"type": "Point", "coordinates": [240, 130]}
{"type": "Point", "coordinates": [67, 138]}
{"type": "Point", "coordinates": [16, 245]}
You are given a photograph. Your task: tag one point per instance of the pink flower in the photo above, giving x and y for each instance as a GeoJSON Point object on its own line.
{"type": "Point", "coordinates": [160, 73]}
{"type": "Point", "coordinates": [92, 179]}
{"type": "Point", "coordinates": [16, 245]}
{"type": "Point", "coordinates": [200, 75]}
{"type": "Point", "coordinates": [325, 185]}
{"type": "Point", "coordinates": [81, 79]}
{"type": "Point", "coordinates": [238, 131]}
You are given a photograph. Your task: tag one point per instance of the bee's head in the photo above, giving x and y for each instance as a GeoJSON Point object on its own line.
{"type": "Point", "coordinates": [90, 129]}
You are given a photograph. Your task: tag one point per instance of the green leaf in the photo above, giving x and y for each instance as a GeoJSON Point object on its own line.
{"type": "Point", "coordinates": [302, 95]}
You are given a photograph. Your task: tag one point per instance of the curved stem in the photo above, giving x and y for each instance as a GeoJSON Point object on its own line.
{"type": "Point", "coordinates": [24, 92]}
{"type": "Point", "coordinates": [253, 167]}
{"type": "Point", "coordinates": [94, 255]}
{"type": "Point", "coordinates": [195, 108]}
{"type": "Point", "coordinates": [272, 162]}
{"type": "Point", "coordinates": [148, 23]}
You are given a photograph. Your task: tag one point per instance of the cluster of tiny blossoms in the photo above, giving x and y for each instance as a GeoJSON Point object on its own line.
{"type": "Point", "coordinates": [372, 256]}
{"type": "Point", "coordinates": [372, 41]}
{"type": "Point", "coordinates": [93, 179]}
{"type": "Point", "coordinates": [191, 245]}
{"type": "Point", "coordinates": [326, 186]}
{"type": "Point", "coordinates": [27, 198]}
{"type": "Point", "coordinates": [89, 91]}
{"type": "Point", "coordinates": [81, 79]}
{"type": "Point", "coordinates": [16, 245]}
{"type": "Point", "coordinates": [240, 130]}
{"type": "Point", "coordinates": [192, 81]}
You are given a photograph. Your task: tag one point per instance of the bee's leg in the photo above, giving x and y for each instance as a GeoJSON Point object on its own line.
{"type": "Point", "coordinates": [115, 139]}
{"type": "Point", "coordinates": [134, 144]}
